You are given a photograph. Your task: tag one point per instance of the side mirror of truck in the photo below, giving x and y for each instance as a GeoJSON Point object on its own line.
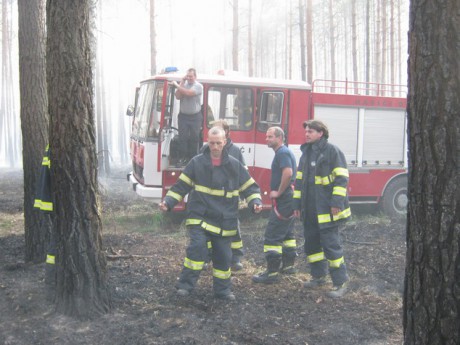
{"type": "Point", "coordinates": [130, 110]}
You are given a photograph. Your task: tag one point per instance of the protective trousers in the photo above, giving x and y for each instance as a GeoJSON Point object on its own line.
{"type": "Point", "coordinates": [279, 242]}
{"type": "Point", "coordinates": [196, 254]}
{"type": "Point", "coordinates": [237, 246]}
{"type": "Point", "coordinates": [324, 250]}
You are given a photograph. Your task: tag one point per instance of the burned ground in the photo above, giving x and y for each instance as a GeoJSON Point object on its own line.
{"type": "Point", "coordinates": [146, 250]}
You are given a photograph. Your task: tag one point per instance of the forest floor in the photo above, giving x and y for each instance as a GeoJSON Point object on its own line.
{"type": "Point", "coordinates": [147, 251]}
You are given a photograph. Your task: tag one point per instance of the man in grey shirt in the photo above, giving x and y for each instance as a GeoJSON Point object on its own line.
{"type": "Point", "coordinates": [190, 118]}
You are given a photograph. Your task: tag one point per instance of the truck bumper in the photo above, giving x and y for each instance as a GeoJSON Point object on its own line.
{"type": "Point", "coordinates": [154, 193]}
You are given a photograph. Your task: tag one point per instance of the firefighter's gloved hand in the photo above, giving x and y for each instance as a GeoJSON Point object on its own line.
{"type": "Point", "coordinates": [163, 206]}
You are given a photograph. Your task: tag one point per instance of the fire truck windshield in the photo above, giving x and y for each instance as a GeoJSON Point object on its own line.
{"type": "Point", "coordinates": [147, 115]}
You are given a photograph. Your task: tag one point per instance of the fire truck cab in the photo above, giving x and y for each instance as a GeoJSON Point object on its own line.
{"type": "Point", "coordinates": [367, 121]}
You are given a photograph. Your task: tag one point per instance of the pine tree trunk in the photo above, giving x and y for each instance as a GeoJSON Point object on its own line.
{"type": "Point", "coordinates": [81, 266]}
{"type": "Point", "coordinates": [34, 120]}
{"type": "Point", "coordinates": [432, 289]}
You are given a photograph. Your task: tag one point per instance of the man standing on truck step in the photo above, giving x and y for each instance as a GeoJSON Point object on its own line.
{"type": "Point", "coordinates": [234, 151]}
{"type": "Point", "coordinates": [279, 240]}
{"type": "Point", "coordinates": [190, 118]}
{"type": "Point", "coordinates": [321, 200]}
{"type": "Point", "coordinates": [214, 182]}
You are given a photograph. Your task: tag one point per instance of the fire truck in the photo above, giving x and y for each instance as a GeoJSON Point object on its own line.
{"type": "Point", "coordinates": [367, 121]}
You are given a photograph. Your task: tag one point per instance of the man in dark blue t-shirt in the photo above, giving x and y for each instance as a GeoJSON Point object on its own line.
{"type": "Point", "coordinates": [279, 241]}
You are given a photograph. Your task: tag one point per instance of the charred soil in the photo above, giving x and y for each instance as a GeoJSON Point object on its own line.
{"type": "Point", "coordinates": [145, 251]}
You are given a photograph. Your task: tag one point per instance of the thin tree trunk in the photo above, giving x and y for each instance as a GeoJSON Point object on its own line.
{"type": "Point", "coordinates": [250, 50]}
{"type": "Point", "coordinates": [332, 43]}
{"type": "Point", "coordinates": [368, 46]}
{"type": "Point", "coordinates": [302, 41]}
{"type": "Point", "coordinates": [153, 44]}
{"type": "Point", "coordinates": [383, 78]}
{"type": "Point", "coordinates": [354, 45]}
{"type": "Point", "coordinates": [235, 32]}
{"type": "Point", "coordinates": [309, 19]}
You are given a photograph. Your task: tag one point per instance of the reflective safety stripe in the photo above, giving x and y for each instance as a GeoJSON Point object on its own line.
{"type": "Point", "coordinates": [227, 233]}
{"type": "Point", "coordinates": [50, 259]}
{"type": "Point", "coordinates": [211, 228]}
{"type": "Point", "coordinates": [209, 244]}
{"type": "Point", "coordinates": [278, 249]}
{"type": "Point", "coordinates": [193, 221]}
{"type": "Point", "coordinates": [343, 214]}
{"type": "Point", "coordinates": [324, 180]}
{"type": "Point", "coordinates": [340, 172]}
{"type": "Point", "coordinates": [237, 245]}
{"type": "Point", "coordinates": [247, 184]}
{"type": "Point", "coordinates": [324, 218]}
{"type": "Point", "coordinates": [193, 265]}
{"type": "Point", "coordinates": [186, 179]}
{"type": "Point", "coordinates": [221, 274]}
{"type": "Point", "coordinates": [336, 263]}
{"type": "Point", "coordinates": [315, 257]}
{"type": "Point", "coordinates": [253, 196]}
{"type": "Point", "coordinates": [299, 175]}
{"type": "Point", "coordinates": [174, 195]}
{"type": "Point", "coordinates": [289, 243]}
{"type": "Point", "coordinates": [297, 194]}
{"type": "Point", "coordinates": [339, 191]}
{"type": "Point", "coordinates": [217, 192]}
{"type": "Point", "coordinates": [46, 161]}
{"type": "Point", "coordinates": [43, 205]}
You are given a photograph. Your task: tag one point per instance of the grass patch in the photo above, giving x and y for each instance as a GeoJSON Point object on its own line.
{"type": "Point", "coordinates": [142, 221]}
{"type": "Point", "coordinates": [11, 224]}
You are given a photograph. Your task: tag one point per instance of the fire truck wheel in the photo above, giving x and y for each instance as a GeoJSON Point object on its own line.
{"type": "Point", "coordinates": [395, 198]}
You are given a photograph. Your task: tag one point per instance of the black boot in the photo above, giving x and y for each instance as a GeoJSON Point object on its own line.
{"type": "Point", "coordinates": [287, 266]}
{"type": "Point", "coordinates": [271, 275]}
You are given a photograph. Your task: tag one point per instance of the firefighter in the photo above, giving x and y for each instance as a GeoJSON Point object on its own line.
{"type": "Point", "coordinates": [214, 181]}
{"type": "Point", "coordinates": [279, 240]}
{"type": "Point", "coordinates": [321, 201]}
{"type": "Point", "coordinates": [234, 151]}
{"type": "Point", "coordinates": [44, 203]}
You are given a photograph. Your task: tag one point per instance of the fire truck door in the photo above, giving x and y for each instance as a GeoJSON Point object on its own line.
{"type": "Point", "coordinates": [235, 105]}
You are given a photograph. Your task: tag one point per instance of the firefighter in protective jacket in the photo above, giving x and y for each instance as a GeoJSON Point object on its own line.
{"type": "Point", "coordinates": [234, 151]}
{"type": "Point", "coordinates": [214, 181]}
{"type": "Point", "coordinates": [321, 199]}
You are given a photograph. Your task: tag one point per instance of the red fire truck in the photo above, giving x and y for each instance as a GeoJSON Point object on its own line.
{"type": "Point", "coordinates": [367, 121]}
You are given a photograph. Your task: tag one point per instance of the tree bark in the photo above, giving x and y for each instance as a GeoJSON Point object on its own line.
{"type": "Point", "coordinates": [432, 289]}
{"type": "Point", "coordinates": [34, 120]}
{"type": "Point", "coordinates": [81, 265]}
{"type": "Point", "coordinates": [303, 71]}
